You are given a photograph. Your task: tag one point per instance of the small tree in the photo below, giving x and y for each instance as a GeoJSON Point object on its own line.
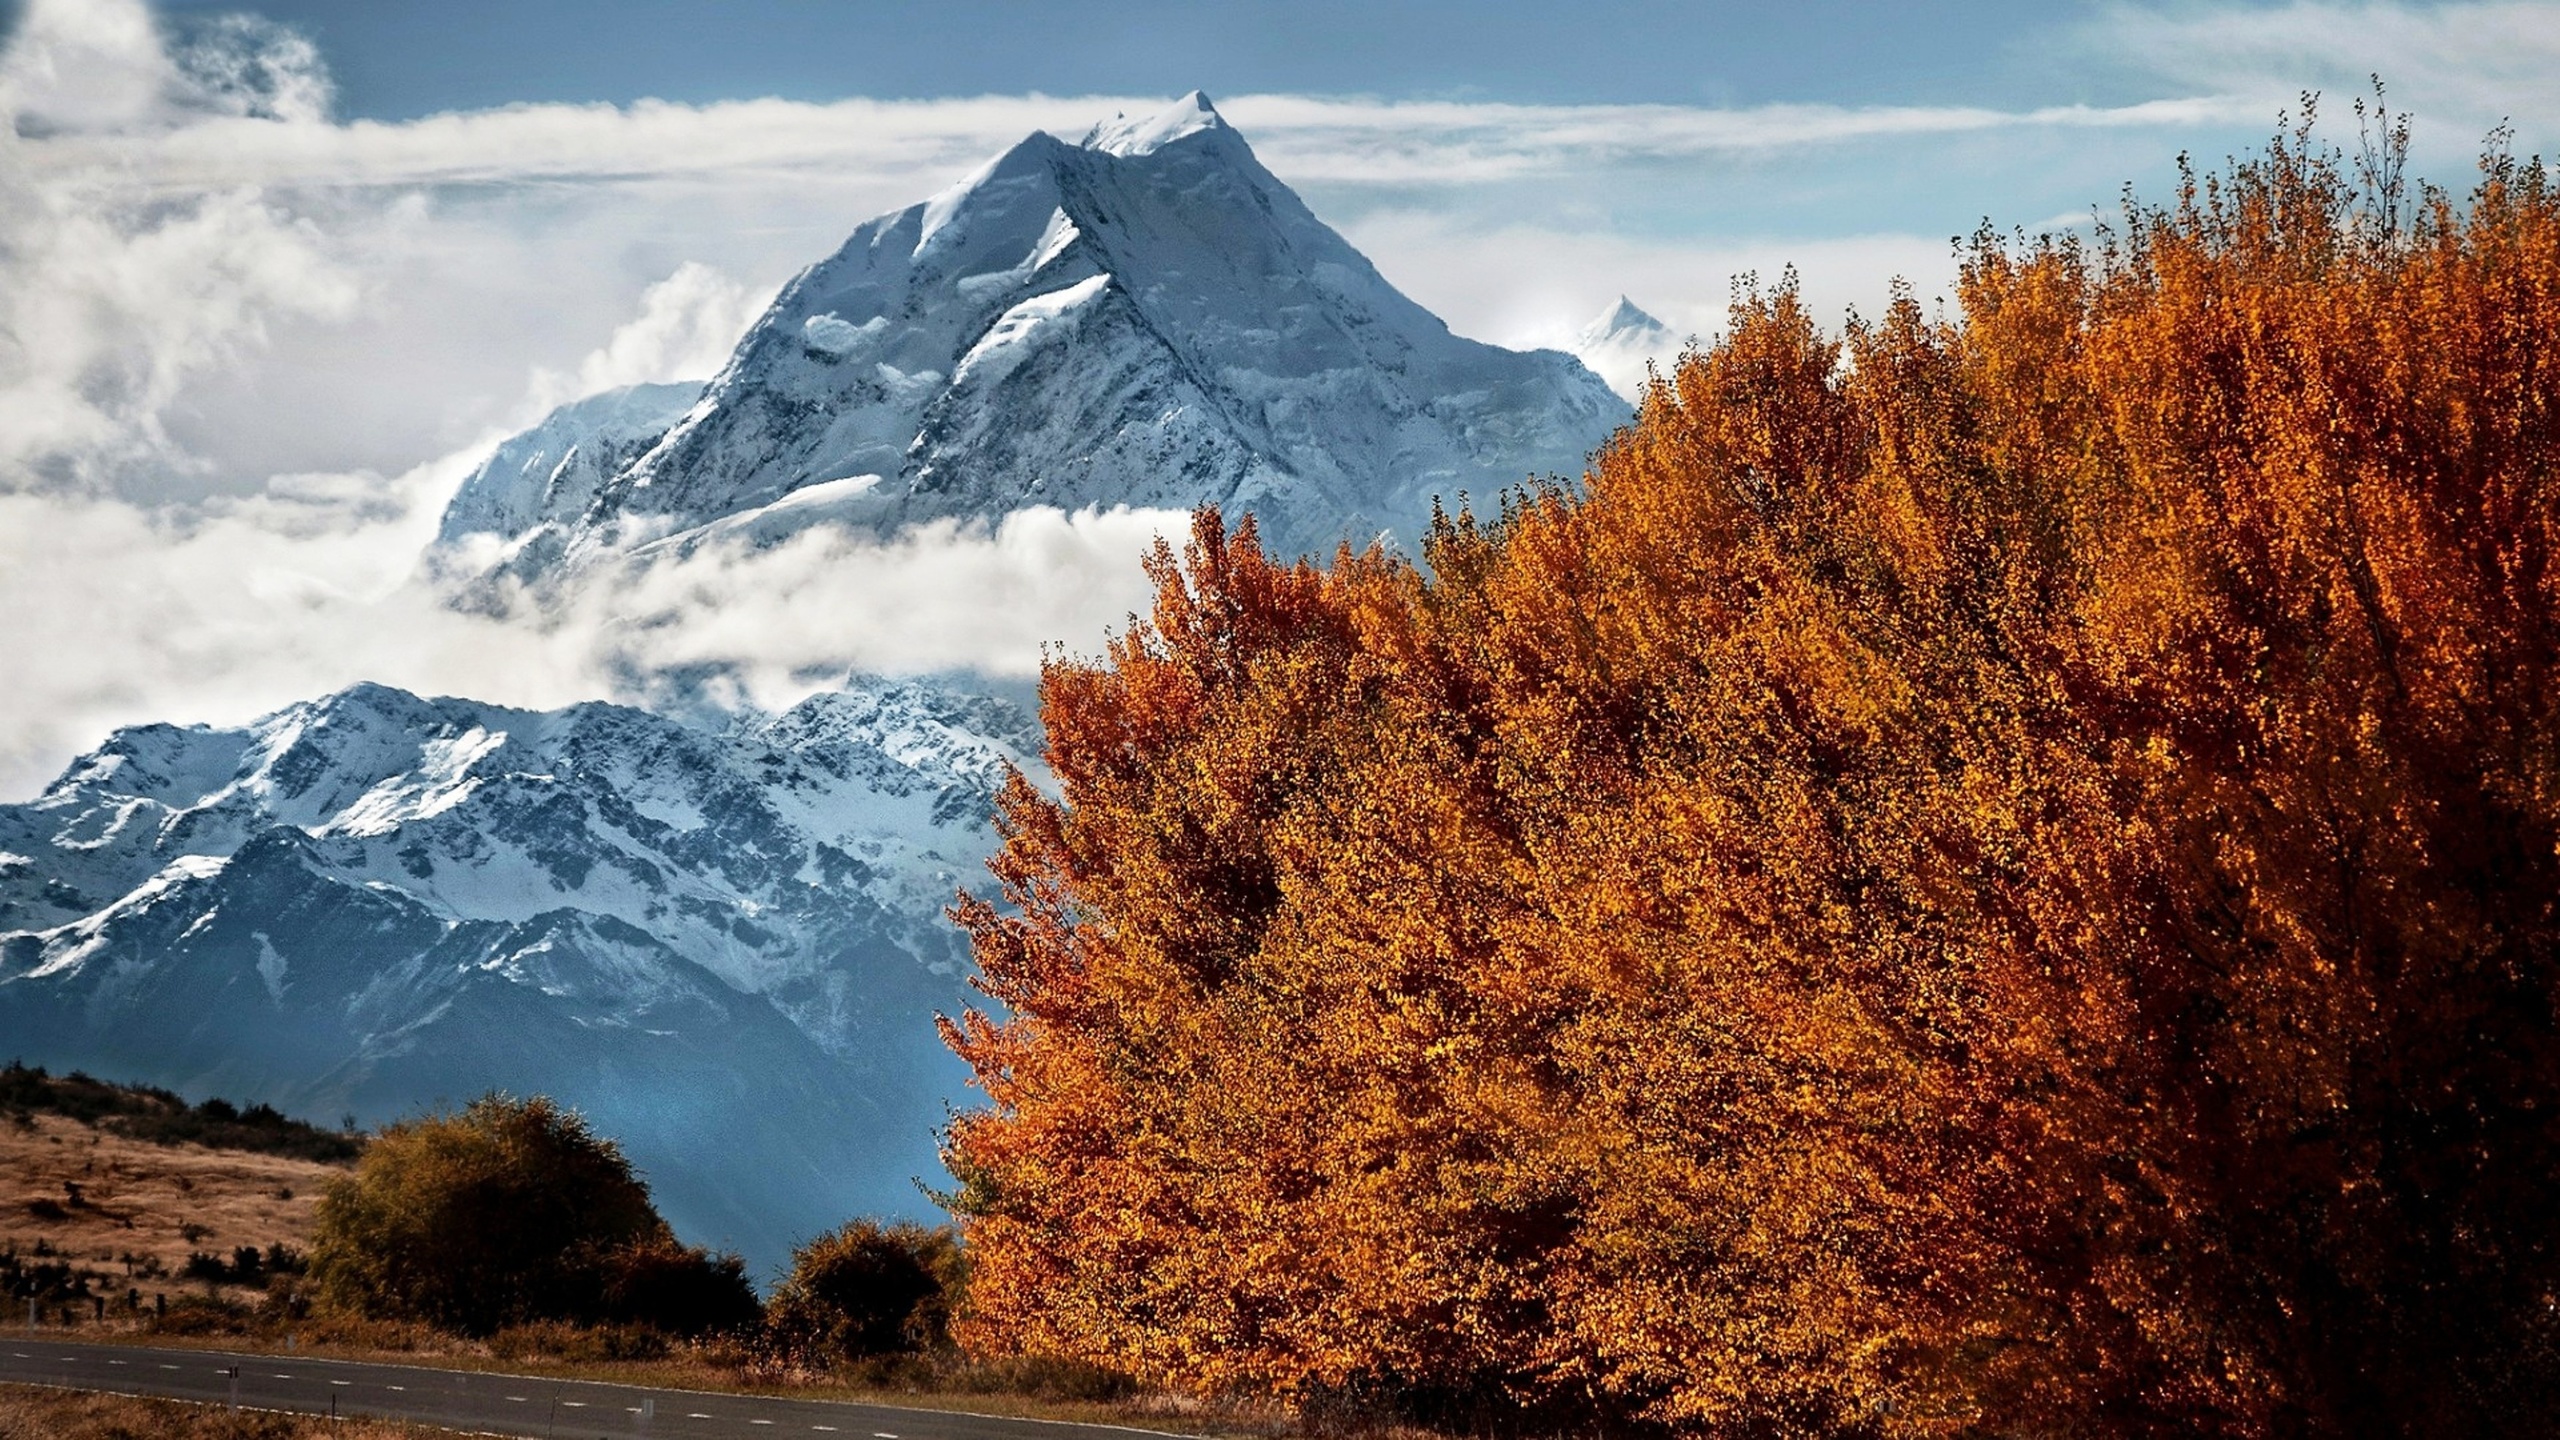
{"type": "Point", "coordinates": [504, 1212]}
{"type": "Point", "coordinates": [869, 1289]}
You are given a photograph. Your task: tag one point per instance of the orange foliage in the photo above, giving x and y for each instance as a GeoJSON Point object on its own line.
{"type": "Point", "coordinates": [1987, 875]}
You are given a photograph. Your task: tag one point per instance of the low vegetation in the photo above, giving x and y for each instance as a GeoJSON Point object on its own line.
{"type": "Point", "coordinates": [160, 1117]}
{"type": "Point", "coordinates": [868, 1290]}
{"type": "Point", "coordinates": [505, 1234]}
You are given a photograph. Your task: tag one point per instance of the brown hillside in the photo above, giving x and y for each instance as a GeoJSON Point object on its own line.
{"type": "Point", "coordinates": [129, 1213]}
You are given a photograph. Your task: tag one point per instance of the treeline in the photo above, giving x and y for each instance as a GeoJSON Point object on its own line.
{"type": "Point", "coordinates": [1988, 873]}
{"type": "Point", "coordinates": [162, 1117]}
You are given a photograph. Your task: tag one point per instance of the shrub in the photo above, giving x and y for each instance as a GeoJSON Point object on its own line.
{"type": "Point", "coordinates": [503, 1213]}
{"type": "Point", "coordinates": [160, 1117]}
{"type": "Point", "coordinates": [868, 1289]}
{"type": "Point", "coordinates": [680, 1289]}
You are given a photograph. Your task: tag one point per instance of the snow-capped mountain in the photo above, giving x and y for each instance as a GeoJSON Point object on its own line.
{"type": "Point", "coordinates": [1146, 317]}
{"type": "Point", "coordinates": [726, 948]}
{"type": "Point", "coordinates": [1621, 341]}
{"type": "Point", "coordinates": [723, 938]}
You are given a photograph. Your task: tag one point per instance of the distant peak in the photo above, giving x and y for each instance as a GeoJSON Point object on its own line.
{"type": "Point", "coordinates": [1622, 322]}
{"type": "Point", "coordinates": [1121, 135]}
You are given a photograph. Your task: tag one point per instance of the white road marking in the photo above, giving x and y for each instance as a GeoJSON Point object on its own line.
{"type": "Point", "coordinates": [697, 1415]}
{"type": "Point", "coordinates": [575, 1404]}
{"type": "Point", "coordinates": [284, 1377]}
{"type": "Point", "coordinates": [759, 1422]}
{"type": "Point", "coordinates": [517, 1398]}
{"type": "Point", "coordinates": [168, 1367]}
{"type": "Point", "coordinates": [115, 1362]}
{"type": "Point", "coordinates": [342, 1382]}
{"type": "Point", "coordinates": [395, 1387]}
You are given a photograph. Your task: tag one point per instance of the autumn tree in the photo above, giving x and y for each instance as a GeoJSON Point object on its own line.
{"type": "Point", "coordinates": [1982, 874]}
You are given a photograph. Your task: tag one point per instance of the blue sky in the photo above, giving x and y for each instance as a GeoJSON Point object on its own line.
{"type": "Point", "coordinates": [398, 59]}
{"type": "Point", "coordinates": [274, 276]}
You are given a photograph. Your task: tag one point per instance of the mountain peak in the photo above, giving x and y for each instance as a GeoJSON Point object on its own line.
{"type": "Point", "coordinates": [1120, 135]}
{"type": "Point", "coordinates": [1147, 318]}
{"type": "Point", "coordinates": [1620, 324]}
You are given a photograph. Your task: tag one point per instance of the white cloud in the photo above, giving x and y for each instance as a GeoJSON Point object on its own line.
{"type": "Point", "coordinates": [687, 325]}
{"type": "Point", "coordinates": [1551, 281]}
{"type": "Point", "coordinates": [109, 308]}
{"type": "Point", "coordinates": [77, 66]}
{"type": "Point", "coordinates": [2461, 68]}
{"type": "Point", "coordinates": [1446, 144]}
{"type": "Point", "coordinates": [940, 596]}
{"type": "Point", "coordinates": [124, 614]}
{"type": "Point", "coordinates": [1310, 139]}
{"type": "Point", "coordinates": [110, 299]}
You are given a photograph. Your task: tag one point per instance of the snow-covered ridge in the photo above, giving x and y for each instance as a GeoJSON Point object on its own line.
{"type": "Point", "coordinates": [306, 908]}
{"type": "Point", "coordinates": [484, 812]}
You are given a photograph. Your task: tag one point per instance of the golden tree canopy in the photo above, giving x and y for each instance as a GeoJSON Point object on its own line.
{"type": "Point", "coordinates": [1983, 874]}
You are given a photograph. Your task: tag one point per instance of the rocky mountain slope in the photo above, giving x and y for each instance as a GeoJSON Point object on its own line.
{"type": "Point", "coordinates": [725, 948]}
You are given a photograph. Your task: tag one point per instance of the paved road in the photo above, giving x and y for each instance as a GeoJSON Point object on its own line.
{"type": "Point", "coordinates": [495, 1404]}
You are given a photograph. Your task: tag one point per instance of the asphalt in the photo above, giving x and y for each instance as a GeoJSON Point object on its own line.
{"type": "Point", "coordinates": [490, 1404]}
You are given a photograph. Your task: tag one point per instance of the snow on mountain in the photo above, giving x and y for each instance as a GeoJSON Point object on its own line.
{"type": "Point", "coordinates": [1147, 317]}
{"type": "Point", "coordinates": [1621, 341]}
{"type": "Point", "coordinates": [725, 947]}
{"type": "Point", "coordinates": [558, 466]}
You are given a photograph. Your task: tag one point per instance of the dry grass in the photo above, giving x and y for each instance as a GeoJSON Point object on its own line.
{"type": "Point", "coordinates": [30, 1413]}
{"type": "Point", "coordinates": [131, 1212]}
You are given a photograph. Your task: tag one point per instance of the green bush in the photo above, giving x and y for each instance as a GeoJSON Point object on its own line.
{"type": "Point", "coordinates": [506, 1213]}
{"type": "Point", "coordinates": [869, 1289]}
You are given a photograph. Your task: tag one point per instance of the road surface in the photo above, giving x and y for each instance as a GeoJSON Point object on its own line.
{"type": "Point", "coordinates": [483, 1403]}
